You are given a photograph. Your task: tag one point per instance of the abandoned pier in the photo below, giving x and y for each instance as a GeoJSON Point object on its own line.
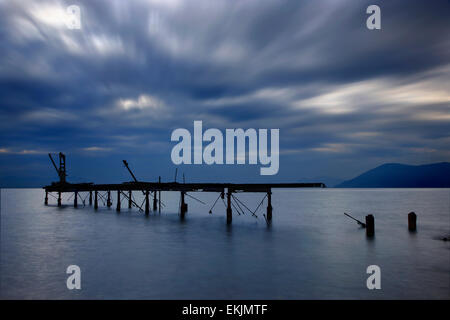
{"type": "Point", "coordinates": [152, 192]}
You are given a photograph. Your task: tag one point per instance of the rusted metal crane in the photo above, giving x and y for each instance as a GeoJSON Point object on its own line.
{"type": "Point", "coordinates": [61, 171]}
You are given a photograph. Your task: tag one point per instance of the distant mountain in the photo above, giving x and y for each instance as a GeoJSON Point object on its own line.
{"type": "Point", "coordinates": [396, 175]}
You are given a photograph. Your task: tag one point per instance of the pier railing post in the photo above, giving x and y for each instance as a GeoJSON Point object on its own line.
{"type": "Point", "coordinates": [129, 199]}
{"type": "Point", "coordinates": [96, 200]}
{"type": "Point", "coordinates": [59, 199]}
{"type": "Point", "coordinates": [229, 211]}
{"type": "Point", "coordinates": [46, 198]}
{"type": "Point", "coordinates": [269, 206]}
{"type": "Point", "coordinates": [118, 201]}
{"type": "Point", "coordinates": [75, 200]}
{"type": "Point", "coordinates": [147, 204]}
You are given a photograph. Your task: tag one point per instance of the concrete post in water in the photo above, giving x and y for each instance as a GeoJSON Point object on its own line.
{"type": "Point", "coordinates": [229, 211]}
{"type": "Point", "coordinates": [129, 199]}
{"type": "Point", "coordinates": [108, 200]}
{"type": "Point", "coordinates": [412, 218]}
{"type": "Point", "coordinates": [46, 198]}
{"type": "Point", "coordinates": [269, 206]}
{"type": "Point", "coordinates": [155, 201]}
{"type": "Point", "coordinates": [75, 200]}
{"type": "Point", "coordinates": [183, 208]}
{"type": "Point", "coordinates": [90, 198]}
{"type": "Point", "coordinates": [96, 200]}
{"type": "Point", "coordinates": [118, 201]}
{"type": "Point", "coordinates": [147, 204]}
{"type": "Point", "coordinates": [370, 225]}
{"type": "Point", "coordinates": [59, 199]}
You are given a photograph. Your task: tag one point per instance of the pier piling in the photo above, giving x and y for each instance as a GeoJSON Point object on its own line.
{"type": "Point", "coordinates": [59, 199]}
{"type": "Point", "coordinates": [229, 211]}
{"type": "Point", "coordinates": [95, 200]}
{"type": "Point", "coordinates": [75, 200]}
{"type": "Point", "coordinates": [46, 198]}
{"type": "Point", "coordinates": [90, 198]}
{"type": "Point", "coordinates": [118, 201]}
{"type": "Point", "coordinates": [155, 203]}
{"type": "Point", "coordinates": [370, 226]}
{"type": "Point", "coordinates": [159, 196]}
{"type": "Point", "coordinates": [269, 206]}
{"type": "Point", "coordinates": [412, 218]}
{"type": "Point", "coordinates": [183, 208]}
{"type": "Point", "coordinates": [147, 204]}
{"type": "Point", "coordinates": [129, 199]}
{"type": "Point", "coordinates": [108, 199]}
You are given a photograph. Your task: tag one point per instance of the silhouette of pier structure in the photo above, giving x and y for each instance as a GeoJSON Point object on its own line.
{"type": "Point", "coordinates": [154, 189]}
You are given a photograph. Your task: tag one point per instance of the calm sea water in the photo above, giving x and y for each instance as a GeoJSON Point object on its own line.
{"type": "Point", "coordinates": [311, 251]}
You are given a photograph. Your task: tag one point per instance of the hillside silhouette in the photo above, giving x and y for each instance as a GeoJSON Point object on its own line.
{"type": "Point", "coordinates": [396, 175]}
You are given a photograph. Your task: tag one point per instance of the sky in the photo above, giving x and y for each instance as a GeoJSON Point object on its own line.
{"type": "Point", "coordinates": [345, 98]}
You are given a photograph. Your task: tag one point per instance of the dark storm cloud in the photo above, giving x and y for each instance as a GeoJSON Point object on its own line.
{"type": "Point", "coordinates": [138, 69]}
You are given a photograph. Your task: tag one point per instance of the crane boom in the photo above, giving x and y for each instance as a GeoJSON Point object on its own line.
{"type": "Point", "coordinates": [129, 170]}
{"type": "Point", "coordinates": [54, 164]}
{"type": "Point", "coordinates": [61, 171]}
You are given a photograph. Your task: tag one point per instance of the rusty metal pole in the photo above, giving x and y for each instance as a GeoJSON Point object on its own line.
{"type": "Point", "coordinates": [229, 211]}
{"type": "Point", "coordinates": [118, 201]}
{"type": "Point", "coordinates": [269, 206]}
